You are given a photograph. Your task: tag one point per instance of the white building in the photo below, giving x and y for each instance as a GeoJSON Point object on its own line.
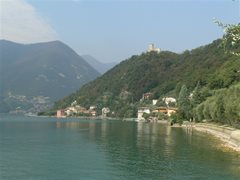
{"type": "Point", "coordinates": [151, 48]}
{"type": "Point", "coordinates": [105, 111]}
{"type": "Point", "coordinates": [141, 112]}
{"type": "Point", "coordinates": [154, 102]}
{"type": "Point", "coordinates": [168, 100]}
{"type": "Point", "coordinates": [92, 108]}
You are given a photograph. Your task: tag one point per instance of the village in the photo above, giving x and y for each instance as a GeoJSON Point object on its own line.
{"type": "Point", "coordinates": [149, 112]}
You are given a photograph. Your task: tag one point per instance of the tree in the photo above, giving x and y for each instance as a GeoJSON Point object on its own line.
{"type": "Point", "coordinates": [146, 116]}
{"type": "Point", "coordinates": [184, 106]}
{"type": "Point", "coordinates": [231, 38]}
{"type": "Point", "coordinates": [196, 97]}
{"type": "Point", "coordinates": [177, 89]}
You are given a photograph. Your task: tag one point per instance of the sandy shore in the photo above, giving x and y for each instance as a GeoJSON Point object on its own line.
{"type": "Point", "coordinates": [230, 136]}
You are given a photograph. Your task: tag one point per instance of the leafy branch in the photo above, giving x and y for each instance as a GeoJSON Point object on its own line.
{"type": "Point", "coordinates": [231, 37]}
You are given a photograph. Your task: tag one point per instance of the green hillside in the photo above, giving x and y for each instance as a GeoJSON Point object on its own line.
{"type": "Point", "coordinates": [162, 74]}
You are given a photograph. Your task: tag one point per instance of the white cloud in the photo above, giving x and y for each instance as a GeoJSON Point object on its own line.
{"type": "Point", "coordinates": [21, 23]}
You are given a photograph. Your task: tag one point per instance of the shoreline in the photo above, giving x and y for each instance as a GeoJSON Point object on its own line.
{"type": "Point", "coordinates": [228, 135]}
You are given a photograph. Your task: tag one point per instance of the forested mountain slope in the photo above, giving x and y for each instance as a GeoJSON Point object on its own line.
{"type": "Point", "coordinates": [164, 73]}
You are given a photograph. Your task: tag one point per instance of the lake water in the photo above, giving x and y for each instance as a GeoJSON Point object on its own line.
{"type": "Point", "coordinates": [49, 148]}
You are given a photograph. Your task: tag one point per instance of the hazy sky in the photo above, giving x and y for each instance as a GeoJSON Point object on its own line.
{"type": "Point", "coordinates": [113, 30]}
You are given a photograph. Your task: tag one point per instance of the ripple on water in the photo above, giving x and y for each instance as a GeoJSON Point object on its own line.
{"type": "Point", "coordinates": [79, 149]}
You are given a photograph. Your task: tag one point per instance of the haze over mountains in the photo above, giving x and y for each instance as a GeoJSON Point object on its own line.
{"type": "Point", "coordinates": [99, 66]}
{"type": "Point", "coordinates": [50, 69]}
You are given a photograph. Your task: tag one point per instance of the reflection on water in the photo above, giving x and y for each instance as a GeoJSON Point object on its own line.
{"type": "Point", "coordinates": [163, 150]}
{"type": "Point", "coordinates": [95, 149]}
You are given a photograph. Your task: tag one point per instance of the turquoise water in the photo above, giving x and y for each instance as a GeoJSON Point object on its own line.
{"type": "Point", "coordinates": [49, 148]}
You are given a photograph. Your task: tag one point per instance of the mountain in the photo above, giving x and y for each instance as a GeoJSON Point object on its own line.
{"type": "Point", "coordinates": [99, 66]}
{"type": "Point", "coordinates": [161, 74]}
{"type": "Point", "coordinates": [50, 69]}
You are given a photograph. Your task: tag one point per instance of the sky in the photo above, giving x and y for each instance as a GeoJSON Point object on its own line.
{"type": "Point", "coordinates": [114, 30]}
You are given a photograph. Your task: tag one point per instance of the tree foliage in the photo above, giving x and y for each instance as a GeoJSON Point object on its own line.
{"type": "Point", "coordinates": [231, 38]}
{"type": "Point", "coordinates": [184, 106]}
{"type": "Point", "coordinates": [223, 106]}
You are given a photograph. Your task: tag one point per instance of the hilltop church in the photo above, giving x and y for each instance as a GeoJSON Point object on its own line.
{"type": "Point", "coordinates": [151, 48]}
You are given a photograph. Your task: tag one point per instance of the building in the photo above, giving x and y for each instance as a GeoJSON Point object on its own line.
{"type": "Point", "coordinates": [169, 100]}
{"type": "Point", "coordinates": [147, 96]}
{"type": "Point", "coordinates": [168, 111]}
{"type": "Point", "coordinates": [93, 113]}
{"type": "Point", "coordinates": [80, 109]}
{"type": "Point", "coordinates": [141, 111]}
{"type": "Point", "coordinates": [61, 113]}
{"type": "Point", "coordinates": [160, 110]}
{"type": "Point", "coordinates": [92, 108]}
{"type": "Point", "coordinates": [151, 48]}
{"type": "Point", "coordinates": [154, 102]}
{"type": "Point", "coordinates": [105, 111]}
{"type": "Point", "coordinates": [171, 111]}
{"type": "Point", "coordinates": [74, 110]}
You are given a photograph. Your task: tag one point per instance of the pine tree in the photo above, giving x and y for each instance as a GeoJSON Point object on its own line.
{"type": "Point", "coordinates": [184, 106]}
{"type": "Point", "coordinates": [196, 97]}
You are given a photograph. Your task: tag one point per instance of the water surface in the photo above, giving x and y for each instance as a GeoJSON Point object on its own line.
{"type": "Point", "coordinates": [49, 148]}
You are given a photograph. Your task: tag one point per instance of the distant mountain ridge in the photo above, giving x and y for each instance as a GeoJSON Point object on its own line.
{"type": "Point", "coordinates": [49, 69]}
{"type": "Point", "coordinates": [99, 66]}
